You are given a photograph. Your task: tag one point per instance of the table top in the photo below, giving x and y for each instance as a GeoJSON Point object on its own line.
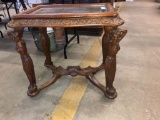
{"type": "Point", "coordinates": [68, 11]}
{"type": "Point", "coordinates": [67, 15]}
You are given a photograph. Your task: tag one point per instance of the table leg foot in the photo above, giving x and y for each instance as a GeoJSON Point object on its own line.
{"type": "Point", "coordinates": [35, 91]}
{"type": "Point", "coordinates": [46, 63]}
{"type": "Point", "coordinates": [110, 93]}
{"type": "Point", "coordinates": [32, 93]}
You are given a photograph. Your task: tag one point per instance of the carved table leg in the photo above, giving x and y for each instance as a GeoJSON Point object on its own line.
{"type": "Point", "coordinates": [110, 47]}
{"type": "Point", "coordinates": [26, 59]}
{"type": "Point", "coordinates": [46, 46]}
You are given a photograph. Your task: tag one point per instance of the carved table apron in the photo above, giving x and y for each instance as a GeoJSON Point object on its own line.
{"type": "Point", "coordinates": [110, 46]}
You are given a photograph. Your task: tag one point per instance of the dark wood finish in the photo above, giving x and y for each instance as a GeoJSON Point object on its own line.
{"type": "Point", "coordinates": [110, 44]}
{"type": "Point", "coordinates": [26, 59]}
{"type": "Point", "coordinates": [110, 47]}
{"type": "Point", "coordinates": [46, 45]}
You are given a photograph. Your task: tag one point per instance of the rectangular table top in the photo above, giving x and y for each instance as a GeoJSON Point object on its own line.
{"type": "Point", "coordinates": [67, 11]}
{"type": "Point", "coordinates": [67, 15]}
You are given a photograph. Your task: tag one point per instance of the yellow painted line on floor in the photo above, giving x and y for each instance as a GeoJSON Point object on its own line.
{"type": "Point", "coordinates": [71, 98]}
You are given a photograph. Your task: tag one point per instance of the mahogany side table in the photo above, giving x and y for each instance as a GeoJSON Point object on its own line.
{"type": "Point", "coordinates": [70, 15]}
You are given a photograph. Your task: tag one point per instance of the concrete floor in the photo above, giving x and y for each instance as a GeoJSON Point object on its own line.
{"type": "Point", "coordinates": [136, 81]}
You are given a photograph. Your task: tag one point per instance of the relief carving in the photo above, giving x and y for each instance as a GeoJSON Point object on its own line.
{"type": "Point", "coordinates": [105, 21]}
{"type": "Point", "coordinates": [26, 59]}
{"type": "Point", "coordinates": [110, 46]}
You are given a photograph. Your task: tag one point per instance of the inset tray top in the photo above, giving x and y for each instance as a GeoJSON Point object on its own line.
{"type": "Point", "coordinates": [68, 10]}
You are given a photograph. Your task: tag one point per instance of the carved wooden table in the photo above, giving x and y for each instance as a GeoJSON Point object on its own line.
{"type": "Point", "coordinates": [68, 15]}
